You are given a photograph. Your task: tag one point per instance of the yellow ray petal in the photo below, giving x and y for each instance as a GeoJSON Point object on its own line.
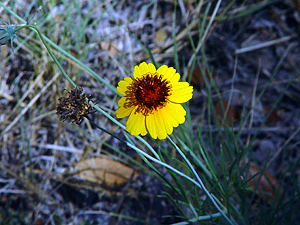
{"type": "Point", "coordinates": [152, 125]}
{"type": "Point", "coordinates": [169, 73]}
{"type": "Point", "coordinates": [175, 78]}
{"type": "Point", "coordinates": [136, 72]}
{"type": "Point", "coordinates": [121, 101]}
{"type": "Point", "coordinates": [136, 124]}
{"type": "Point", "coordinates": [181, 92]}
{"type": "Point", "coordinates": [170, 122]}
{"type": "Point", "coordinates": [176, 113]}
{"type": "Point", "coordinates": [151, 68]}
{"type": "Point", "coordinates": [161, 122]}
{"type": "Point", "coordinates": [123, 84]}
{"type": "Point", "coordinates": [143, 68]}
{"type": "Point", "coordinates": [123, 112]}
{"type": "Point", "coordinates": [162, 69]}
{"type": "Point", "coordinates": [157, 126]}
{"type": "Point", "coordinates": [162, 125]}
{"type": "Point", "coordinates": [166, 121]}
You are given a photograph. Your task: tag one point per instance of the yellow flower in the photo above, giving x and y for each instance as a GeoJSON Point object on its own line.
{"type": "Point", "coordinates": [152, 100]}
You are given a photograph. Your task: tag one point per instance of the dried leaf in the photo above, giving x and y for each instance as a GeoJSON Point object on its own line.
{"type": "Point", "coordinates": [266, 183]}
{"type": "Point", "coordinates": [104, 170]}
{"type": "Point", "coordinates": [197, 77]}
{"type": "Point", "coordinates": [273, 117]}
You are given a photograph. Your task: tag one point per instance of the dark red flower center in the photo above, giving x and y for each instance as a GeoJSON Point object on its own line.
{"type": "Point", "coordinates": [149, 93]}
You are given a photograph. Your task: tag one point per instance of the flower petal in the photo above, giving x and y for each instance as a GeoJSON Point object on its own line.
{"type": "Point", "coordinates": [162, 69]}
{"type": "Point", "coordinates": [151, 68]}
{"type": "Point", "coordinates": [169, 73]}
{"type": "Point", "coordinates": [122, 101]}
{"type": "Point", "coordinates": [176, 113]}
{"type": "Point", "coordinates": [161, 122]}
{"type": "Point", "coordinates": [143, 69]}
{"type": "Point", "coordinates": [136, 72]}
{"type": "Point", "coordinates": [169, 119]}
{"type": "Point", "coordinates": [136, 124]}
{"type": "Point", "coordinates": [175, 78]}
{"type": "Point", "coordinates": [123, 112]}
{"type": "Point", "coordinates": [123, 84]}
{"type": "Point", "coordinates": [166, 123]}
{"type": "Point", "coordinates": [181, 92]}
{"type": "Point", "coordinates": [153, 125]}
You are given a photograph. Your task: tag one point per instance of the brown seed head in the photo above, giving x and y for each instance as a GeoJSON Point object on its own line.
{"type": "Point", "coordinates": [74, 107]}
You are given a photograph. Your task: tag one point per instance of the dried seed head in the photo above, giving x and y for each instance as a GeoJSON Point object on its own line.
{"type": "Point", "coordinates": [74, 107]}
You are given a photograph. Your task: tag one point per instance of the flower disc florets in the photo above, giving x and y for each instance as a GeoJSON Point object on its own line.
{"type": "Point", "coordinates": [152, 100]}
{"type": "Point", "coordinates": [148, 93]}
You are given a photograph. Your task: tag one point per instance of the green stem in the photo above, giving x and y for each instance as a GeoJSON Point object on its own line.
{"type": "Point", "coordinates": [163, 164]}
{"type": "Point", "coordinates": [123, 127]}
{"type": "Point", "coordinates": [50, 52]}
{"type": "Point", "coordinates": [106, 131]}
